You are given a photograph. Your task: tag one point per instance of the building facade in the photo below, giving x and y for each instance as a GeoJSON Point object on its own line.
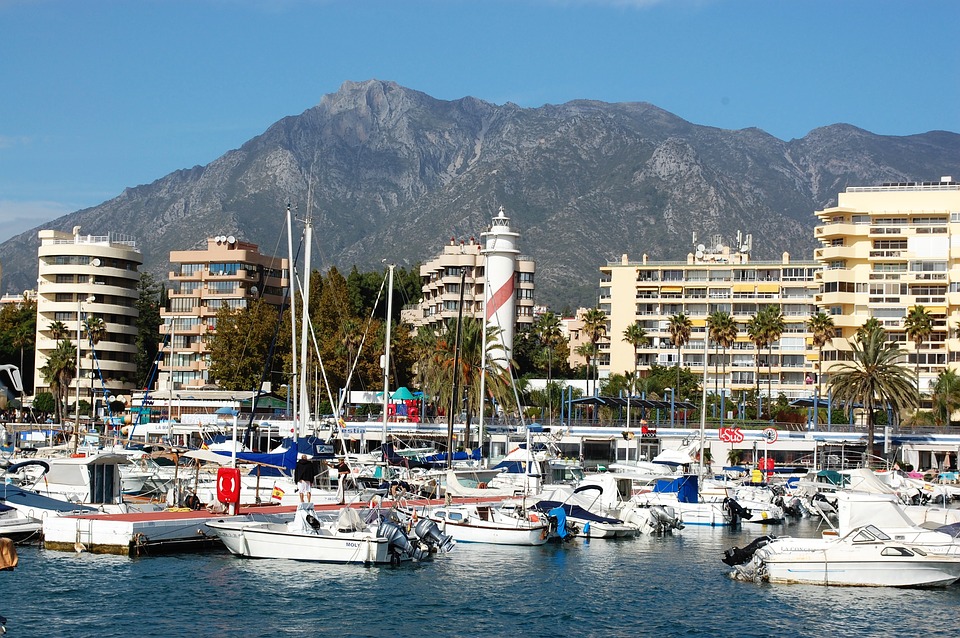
{"type": "Point", "coordinates": [885, 250]}
{"type": "Point", "coordinates": [714, 278]}
{"type": "Point", "coordinates": [228, 273]}
{"type": "Point", "coordinates": [89, 278]}
{"type": "Point", "coordinates": [511, 289]}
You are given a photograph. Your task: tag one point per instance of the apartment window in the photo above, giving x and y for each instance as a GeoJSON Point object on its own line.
{"type": "Point", "coordinates": [837, 264]}
{"type": "Point", "coordinates": [526, 277]}
{"type": "Point", "coordinates": [224, 268]}
{"type": "Point", "coordinates": [837, 242]}
{"type": "Point", "coordinates": [836, 310]}
{"type": "Point", "coordinates": [861, 219]}
{"type": "Point", "coordinates": [221, 287]}
{"type": "Point", "coordinates": [183, 304]}
{"type": "Point", "coordinates": [928, 266]}
{"type": "Point", "coordinates": [890, 244]}
{"type": "Point", "coordinates": [884, 267]}
{"type": "Point", "coordinates": [190, 269]}
{"type": "Point", "coordinates": [672, 275]}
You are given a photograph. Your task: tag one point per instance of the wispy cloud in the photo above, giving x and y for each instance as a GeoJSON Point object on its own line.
{"type": "Point", "coordinates": [10, 141]}
{"type": "Point", "coordinates": [18, 217]}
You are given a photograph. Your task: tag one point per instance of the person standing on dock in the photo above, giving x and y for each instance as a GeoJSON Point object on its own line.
{"type": "Point", "coordinates": [303, 474]}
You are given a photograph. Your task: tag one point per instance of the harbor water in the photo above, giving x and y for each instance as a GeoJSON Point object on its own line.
{"type": "Point", "coordinates": [645, 586]}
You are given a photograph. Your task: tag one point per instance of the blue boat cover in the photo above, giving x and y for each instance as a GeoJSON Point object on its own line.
{"type": "Point", "coordinates": [561, 515]}
{"type": "Point", "coordinates": [573, 511]}
{"type": "Point", "coordinates": [35, 501]}
{"type": "Point", "coordinates": [685, 487]}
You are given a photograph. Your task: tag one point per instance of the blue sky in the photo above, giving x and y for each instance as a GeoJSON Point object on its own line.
{"type": "Point", "coordinates": [100, 95]}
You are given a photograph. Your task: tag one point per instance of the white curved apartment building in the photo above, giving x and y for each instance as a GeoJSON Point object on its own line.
{"type": "Point", "coordinates": [89, 275]}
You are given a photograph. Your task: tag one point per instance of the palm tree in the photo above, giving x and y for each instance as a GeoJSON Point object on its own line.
{"type": "Point", "coordinates": [595, 325]}
{"type": "Point", "coordinates": [723, 331]}
{"type": "Point", "coordinates": [58, 330]}
{"type": "Point", "coordinates": [636, 336]}
{"type": "Point", "coordinates": [918, 325]}
{"type": "Point", "coordinates": [757, 332]}
{"type": "Point", "coordinates": [821, 327]}
{"type": "Point", "coordinates": [775, 325]}
{"type": "Point", "coordinates": [59, 372]}
{"type": "Point", "coordinates": [868, 326]}
{"type": "Point", "coordinates": [679, 327]}
{"type": "Point", "coordinates": [547, 329]}
{"type": "Point", "coordinates": [875, 376]}
{"type": "Point", "coordinates": [946, 396]}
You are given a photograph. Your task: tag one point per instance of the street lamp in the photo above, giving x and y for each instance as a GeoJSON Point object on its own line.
{"type": "Point", "coordinates": [76, 428]}
{"type": "Point", "coordinates": [672, 404]}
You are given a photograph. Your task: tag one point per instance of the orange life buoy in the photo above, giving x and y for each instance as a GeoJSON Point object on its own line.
{"type": "Point", "coordinates": [481, 486]}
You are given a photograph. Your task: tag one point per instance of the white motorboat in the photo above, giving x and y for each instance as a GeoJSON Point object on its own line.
{"type": "Point", "coordinates": [347, 540]}
{"type": "Point", "coordinates": [582, 514]}
{"type": "Point", "coordinates": [875, 544]}
{"type": "Point", "coordinates": [471, 523]}
{"type": "Point", "coordinates": [17, 526]}
{"type": "Point", "coordinates": [682, 495]}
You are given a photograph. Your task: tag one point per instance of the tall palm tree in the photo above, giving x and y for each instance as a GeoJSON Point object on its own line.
{"type": "Point", "coordinates": [679, 326]}
{"type": "Point", "coordinates": [868, 326]}
{"type": "Point", "coordinates": [595, 326]}
{"type": "Point", "coordinates": [59, 372]}
{"type": "Point", "coordinates": [636, 335]}
{"type": "Point", "coordinates": [95, 328]}
{"type": "Point", "coordinates": [875, 376]}
{"type": "Point", "coordinates": [757, 331]}
{"type": "Point", "coordinates": [547, 329]}
{"type": "Point", "coordinates": [723, 331]}
{"type": "Point", "coordinates": [918, 325]}
{"type": "Point", "coordinates": [823, 330]}
{"type": "Point", "coordinates": [588, 351]}
{"type": "Point", "coordinates": [946, 396]}
{"type": "Point", "coordinates": [774, 327]}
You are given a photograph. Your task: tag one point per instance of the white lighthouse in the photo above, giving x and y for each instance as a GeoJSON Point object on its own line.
{"type": "Point", "coordinates": [500, 299]}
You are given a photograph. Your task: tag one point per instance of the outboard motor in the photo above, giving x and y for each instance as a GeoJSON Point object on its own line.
{"type": "Point", "coordinates": [431, 536]}
{"type": "Point", "coordinates": [737, 556]}
{"type": "Point", "coordinates": [399, 543]}
{"type": "Point", "coordinates": [737, 511]}
{"type": "Point", "coordinates": [666, 517]}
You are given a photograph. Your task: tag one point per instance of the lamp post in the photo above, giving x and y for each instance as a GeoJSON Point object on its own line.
{"type": "Point", "coordinates": [76, 427]}
{"type": "Point", "coordinates": [672, 404]}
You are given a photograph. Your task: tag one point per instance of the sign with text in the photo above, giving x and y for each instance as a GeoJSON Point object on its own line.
{"type": "Point", "coordinates": [731, 435]}
{"type": "Point", "coordinates": [770, 435]}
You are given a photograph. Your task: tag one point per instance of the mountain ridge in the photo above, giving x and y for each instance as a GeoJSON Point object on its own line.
{"type": "Point", "coordinates": [393, 173]}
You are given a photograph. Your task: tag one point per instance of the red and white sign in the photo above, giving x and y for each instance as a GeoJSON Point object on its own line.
{"type": "Point", "coordinates": [770, 435]}
{"type": "Point", "coordinates": [731, 435]}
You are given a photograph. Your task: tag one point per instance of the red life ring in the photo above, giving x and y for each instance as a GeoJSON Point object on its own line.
{"type": "Point", "coordinates": [228, 485]}
{"type": "Point", "coordinates": [481, 485]}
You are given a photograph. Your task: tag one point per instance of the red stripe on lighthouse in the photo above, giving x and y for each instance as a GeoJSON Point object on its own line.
{"type": "Point", "coordinates": [500, 298]}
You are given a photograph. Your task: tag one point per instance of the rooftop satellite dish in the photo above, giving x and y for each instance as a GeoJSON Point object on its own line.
{"type": "Point", "coordinates": [701, 248]}
{"type": "Point", "coordinates": [231, 240]}
{"type": "Point", "coordinates": [699, 254]}
{"type": "Point", "coordinates": [96, 261]}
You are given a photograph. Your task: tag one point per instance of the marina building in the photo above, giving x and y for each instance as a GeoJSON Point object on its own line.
{"type": "Point", "coordinates": [508, 300]}
{"type": "Point", "coordinates": [89, 280]}
{"type": "Point", "coordinates": [715, 277]}
{"type": "Point", "coordinates": [229, 272]}
{"type": "Point", "coordinates": [885, 250]}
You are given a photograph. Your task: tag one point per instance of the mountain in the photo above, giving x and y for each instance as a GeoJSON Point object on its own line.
{"type": "Point", "coordinates": [392, 173]}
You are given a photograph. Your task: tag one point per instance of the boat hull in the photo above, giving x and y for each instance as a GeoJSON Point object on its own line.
{"type": "Point", "coordinates": [271, 540]}
{"type": "Point", "coordinates": [470, 533]}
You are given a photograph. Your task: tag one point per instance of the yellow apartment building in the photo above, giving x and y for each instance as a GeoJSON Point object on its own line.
{"type": "Point", "coordinates": [886, 249]}
{"type": "Point", "coordinates": [715, 277]}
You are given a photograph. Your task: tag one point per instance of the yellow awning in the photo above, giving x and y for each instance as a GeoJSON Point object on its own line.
{"type": "Point", "coordinates": [698, 323]}
{"type": "Point", "coordinates": [936, 310]}
{"type": "Point", "coordinates": [672, 289]}
{"type": "Point", "coordinates": [768, 288]}
{"type": "Point", "coordinates": [812, 356]}
{"type": "Point", "coordinates": [743, 287]}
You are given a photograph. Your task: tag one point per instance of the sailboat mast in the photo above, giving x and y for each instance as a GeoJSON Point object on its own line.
{"type": "Point", "coordinates": [304, 337]}
{"type": "Point", "coordinates": [386, 352]}
{"type": "Point", "coordinates": [483, 359]}
{"type": "Point", "coordinates": [456, 372]}
{"type": "Point", "coordinates": [703, 398]}
{"type": "Point", "coordinates": [292, 384]}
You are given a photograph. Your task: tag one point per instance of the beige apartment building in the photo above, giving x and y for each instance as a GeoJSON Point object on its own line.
{"type": "Point", "coordinates": [713, 278]}
{"type": "Point", "coordinates": [229, 273]}
{"type": "Point", "coordinates": [886, 249]}
{"type": "Point", "coordinates": [83, 277]}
